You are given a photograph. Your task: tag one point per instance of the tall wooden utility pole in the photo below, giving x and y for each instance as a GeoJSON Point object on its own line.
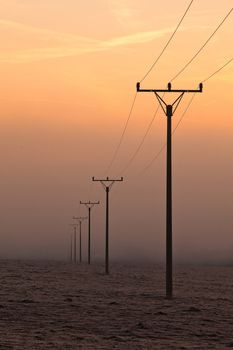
{"type": "Point", "coordinates": [74, 255]}
{"type": "Point", "coordinates": [169, 111]}
{"type": "Point", "coordinates": [71, 248]}
{"type": "Point", "coordinates": [80, 220]}
{"type": "Point", "coordinates": [107, 184]}
{"type": "Point", "coordinates": [89, 205]}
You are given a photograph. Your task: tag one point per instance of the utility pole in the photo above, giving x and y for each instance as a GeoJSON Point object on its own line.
{"type": "Point", "coordinates": [80, 220]}
{"type": "Point", "coordinates": [107, 184]}
{"type": "Point", "coordinates": [75, 243]}
{"type": "Point", "coordinates": [169, 111]}
{"type": "Point", "coordinates": [71, 248]}
{"type": "Point", "coordinates": [89, 205]}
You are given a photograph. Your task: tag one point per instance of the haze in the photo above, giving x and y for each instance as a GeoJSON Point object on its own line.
{"type": "Point", "coordinates": [68, 74]}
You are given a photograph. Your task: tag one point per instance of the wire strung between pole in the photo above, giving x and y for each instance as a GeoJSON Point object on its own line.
{"type": "Point", "coordinates": [180, 120]}
{"type": "Point", "coordinates": [141, 143]}
{"type": "Point", "coordinates": [218, 70]}
{"type": "Point", "coordinates": [133, 103]}
{"type": "Point", "coordinates": [132, 106]}
{"type": "Point", "coordinates": [190, 102]}
{"type": "Point", "coordinates": [79, 207]}
{"type": "Point", "coordinates": [168, 42]}
{"type": "Point", "coordinates": [202, 47]}
{"type": "Point", "coordinates": [90, 189]}
{"type": "Point", "coordinates": [182, 116]}
{"type": "Point", "coordinates": [122, 136]}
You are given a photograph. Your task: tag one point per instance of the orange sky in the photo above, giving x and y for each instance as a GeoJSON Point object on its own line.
{"type": "Point", "coordinates": [68, 72]}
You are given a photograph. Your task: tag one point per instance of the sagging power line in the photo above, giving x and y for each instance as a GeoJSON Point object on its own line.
{"type": "Point", "coordinates": [202, 47]}
{"type": "Point", "coordinates": [183, 114]}
{"type": "Point", "coordinates": [141, 143]}
{"type": "Point", "coordinates": [135, 96]}
{"type": "Point", "coordinates": [179, 73]}
{"type": "Point", "coordinates": [218, 70]}
{"type": "Point", "coordinates": [168, 42]}
{"type": "Point", "coordinates": [174, 130]}
{"type": "Point", "coordinates": [122, 136]}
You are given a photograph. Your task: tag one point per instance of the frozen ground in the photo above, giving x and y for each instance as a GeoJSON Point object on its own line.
{"type": "Point", "coordinates": [51, 305]}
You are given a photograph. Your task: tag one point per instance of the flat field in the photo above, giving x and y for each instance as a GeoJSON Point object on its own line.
{"type": "Point", "coordinates": [58, 305]}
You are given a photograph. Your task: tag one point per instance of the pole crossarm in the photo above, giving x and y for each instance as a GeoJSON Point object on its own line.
{"type": "Point", "coordinates": [177, 101]}
{"type": "Point", "coordinates": [169, 89]}
{"type": "Point", "coordinates": [89, 204]}
{"type": "Point", "coordinates": [107, 183]}
{"type": "Point", "coordinates": [80, 219]}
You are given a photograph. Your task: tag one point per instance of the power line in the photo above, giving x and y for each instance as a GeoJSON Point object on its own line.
{"type": "Point", "coordinates": [168, 42]}
{"type": "Point", "coordinates": [141, 143]}
{"type": "Point", "coordinates": [187, 64]}
{"type": "Point", "coordinates": [183, 114]}
{"type": "Point", "coordinates": [218, 70]}
{"type": "Point", "coordinates": [122, 135]}
{"type": "Point", "coordinates": [202, 47]}
{"type": "Point", "coordinates": [191, 100]}
{"type": "Point", "coordinates": [185, 111]}
{"type": "Point", "coordinates": [90, 189]}
{"type": "Point", "coordinates": [134, 99]}
{"type": "Point", "coordinates": [149, 127]}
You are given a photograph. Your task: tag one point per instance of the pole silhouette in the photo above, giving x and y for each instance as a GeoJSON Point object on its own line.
{"type": "Point", "coordinates": [169, 111]}
{"type": "Point", "coordinates": [74, 255]}
{"type": "Point", "coordinates": [71, 248]}
{"type": "Point", "coordinates": [89, 205]}
{"type": "Point", "coordinates": [80, 220]}
{"type": "Point", "coordinates": [107, 184]}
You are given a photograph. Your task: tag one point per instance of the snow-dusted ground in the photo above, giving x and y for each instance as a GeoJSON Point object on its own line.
{"type": "Point", "coordinates": [52, 305]}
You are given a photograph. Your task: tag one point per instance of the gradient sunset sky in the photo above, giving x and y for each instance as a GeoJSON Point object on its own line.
{"type": "Point", "coordinates": [68, 72]}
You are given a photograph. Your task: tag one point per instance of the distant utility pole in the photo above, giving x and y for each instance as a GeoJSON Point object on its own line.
{"type": "Point", "coordinates": [168, 110]}
{"type": "Point", "coordinates": [71, 248]}
{"type": "Point", "coordinates": [107, 184]}
{"type": "Point", "coordinates": [75, 243]}
{"type": "Point", "coordinates": [89, 206]}
{"type": "Point", "coordinates": [80, 220]}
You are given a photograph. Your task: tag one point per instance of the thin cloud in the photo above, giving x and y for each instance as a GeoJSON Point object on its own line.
{"type": "Point", "coordinates": [66, 45]}
{"type": "Point", "coordinates": [42, 34]}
